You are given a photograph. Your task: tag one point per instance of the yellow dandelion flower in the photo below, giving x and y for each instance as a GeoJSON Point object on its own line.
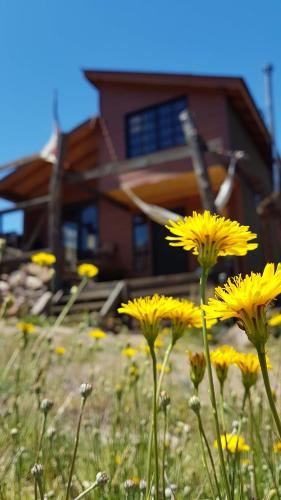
{"type": "Point", "coordinates": [159, 368]}
{"type": "Point", "coordinates": [87, 270]}
{"type": "Point", "coordinates": [149, 311]}
{"type": "Point", "coordinates": [118, 459]}
{"type": "Point", "coordinates": [210, 236]}
{"type": "Point", "coordinates": [197, 362]}
{"type": "Point", "coordinates": [232, 443]}
{"type": "Point", "coordinates": [43, 259]}
{"type": "Point", "coordinates": [247, 300]}
{"type": "Point", "coordinates": [25, 327]}
{"type": "Point", "coordinates": [249, 366]}
{"type": "Point", "coordinates": [221, 359]}
{"type": "Point", "coordinates": [186, 315]}
{"type": "Point", "coordinates": [164, 331]}
{"type": "Point", "coordinates": [96, 333]}
{"type": "Point", "coordinates": [275, 320]}
{"type": "Point", "coordinates": [134, 372]}
{"type": "Point", "coordinates": [277, 447]}
{"type": "Point", "coordinates": [129, 352]}
{"type": "Point", "coordinates": [158, 342]}
{"type": "Point", "coordinates": [60, 350]}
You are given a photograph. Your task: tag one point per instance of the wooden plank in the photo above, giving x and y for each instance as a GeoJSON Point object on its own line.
{"type": "Point", "coordinates": [26, 205]}
{"type": "Point", "coordinates": [163, 280]}
{"type": "Point", "coordinates": [88, 295]}
{"type": "Point", "coordinates": [141, 162]}
{"type": "Point", "coordinates": [114, 298]}
{"type": "Point", "coordinates": [55, 212]}
{"type": "Point", "coordinates": [80, 307]}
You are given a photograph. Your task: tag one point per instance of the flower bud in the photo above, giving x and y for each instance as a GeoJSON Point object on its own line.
{"type": "Point", "coordinates": [85, 390]}
{"type": "Point", "coordinates": [194, 404]}
{"type": "Point", "coordinates": [142, 485]}
{"type": "Point", "coordinates": [46, 405]}
{"type": "Point", "coordinates": [51, 432]}
{"type": "Point", "coordinates": [37, 470]}
{"type": "Point", "coordinates": [129, 485]}
{"type": "Point", "coordinates": [102, 478]}
{"type": "Point", "coordinates": [165, 400]}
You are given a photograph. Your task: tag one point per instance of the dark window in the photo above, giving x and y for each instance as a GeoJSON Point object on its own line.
{"type": "Point", "coordinates": [80, 231]}
{"type": "Point", "coordinates": [140, 243]}
{"type": "Point", "coordinates": [155, 128]}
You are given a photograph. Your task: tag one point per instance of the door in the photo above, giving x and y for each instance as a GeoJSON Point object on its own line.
{"type": "Point", "coordinates": [167, 259]}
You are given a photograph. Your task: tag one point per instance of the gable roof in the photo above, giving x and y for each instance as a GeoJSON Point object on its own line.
{"type": "Point", "coordinates": [234, 87]}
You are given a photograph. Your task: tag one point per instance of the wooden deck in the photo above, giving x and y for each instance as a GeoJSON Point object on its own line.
{"type": "Point", "coordinates": [104, 297]}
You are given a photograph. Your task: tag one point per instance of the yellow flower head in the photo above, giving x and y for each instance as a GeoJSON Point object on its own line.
{"type": "Point", "coordinates": [250, 367]}
{"type": "Point", "coordinates": [233, 443]}
{"type": "Point", "coordinates": [149, 311]}
{"type": "Point", "coordinates": [60, 350]}
{"type": "Point", "coordinates": [25, 328]}
{"type": "Point", "coordinates": [96, 333]}
{"type": "Point", "coordinates": [158, 342]}
{"type": "Point", "coordinates": [210, 236]}
{"type": "Point", "coordinates": [129, 352]}
{"type": "Point", "coordinates": [247, 300]}
{"type": "Point", "coordinates": [275, 320]}
{"type": "Point", "coordinates": [87, 270]}
{"type": "Point", "coordinates": [134, 372]}
{"type": "Point", "coordinates": [159, 367]}
{"type": "Point", "coordinates": [277, 447]}
{"type": "Point", "coordinates": [197, 362]}
{"type": "Point", "coordinates": [221, 359]}
{"type": "Point", "coordinates": [43, 259]}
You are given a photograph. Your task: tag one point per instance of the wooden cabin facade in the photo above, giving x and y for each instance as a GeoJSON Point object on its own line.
{"type": "Point", "coordinates": [76, 207]}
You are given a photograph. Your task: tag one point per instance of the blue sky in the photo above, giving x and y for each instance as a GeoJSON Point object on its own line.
{"type": "Point", "coordinates": [45, 43]}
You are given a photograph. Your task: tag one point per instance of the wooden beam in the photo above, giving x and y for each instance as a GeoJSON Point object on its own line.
{"type": "Point", "coordinates": [147, 161]}
{"type": "Point", "coordinates": [55, 211]}
{"type": "Point", "coordinates": [199, 165]}
{"type": "Point", "coordinates": [26, 205]}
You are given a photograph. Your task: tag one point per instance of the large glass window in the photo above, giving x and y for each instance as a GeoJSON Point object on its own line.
{"type": "Point", "coordinates": [80, 232]}
{"type": "Point", "coordinates": [155, 128]}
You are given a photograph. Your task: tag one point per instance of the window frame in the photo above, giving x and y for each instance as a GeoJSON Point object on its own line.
{"type": "Point", "coordinates": [157, 129]}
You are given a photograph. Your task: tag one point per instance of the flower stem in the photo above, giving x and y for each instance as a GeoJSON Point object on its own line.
{"type": "Point", "coordinates": [75, 448]}
{"type": "Point", "coordinates": [150, 439]}
{"type": "Point", "coordinates": [203, 435]}
{"type": "Point", "coordinates": [154, 412]}
{"type": "Point", "coordinates": [263, 365]}
{"type": "Point", "coordinates": [164, 453]}
{"type": "Point", "coordinates": [85, 492]}
{"type": "Point", "coordinates": [203, 281]}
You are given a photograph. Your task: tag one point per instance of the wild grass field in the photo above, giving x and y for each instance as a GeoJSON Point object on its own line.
{"type": "Point", "coordinates": [116, 420]}
{"type": "Point", "coordinates": [185, 404]}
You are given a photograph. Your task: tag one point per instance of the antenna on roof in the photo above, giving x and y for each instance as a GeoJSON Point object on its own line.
{"type": "Point", "coordinates": [268, 88]}
{"type": "Point", "coordinates": [55, 110]}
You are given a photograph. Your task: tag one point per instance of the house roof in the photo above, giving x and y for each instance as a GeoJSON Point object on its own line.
{"type": "Point", "coordinates": [235, 88]}
{"type": "Point", "coordinates": [30, 175]}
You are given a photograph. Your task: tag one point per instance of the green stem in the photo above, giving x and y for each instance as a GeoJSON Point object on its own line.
{"type": "Point", "coordinates": [41, 436]}
{"type": "Point", "coordinates": [252, 446]}
{"type": "Point", "coordinates": [150, 439]}
{"type": "Point", "coordinates": [263, 365]}
{"type": "Point", "coordinates": [264, 453]}
{"type": "Point", "coordinates": [70, 303]}
{"type": "Point", "coordinates": [85, 492]}
{"type": "Point", "coordinates": [75, 448]}
{"type": "Point", "coordinates": [203, 281]}
{"type": "Point", "coordinates": [236, 457]}
{"type": "Point", "coordinates": [164, 453]}
{"type": "Point", "coordinates": [203, 435]}
{"type": "Point", "coordinates": [154, 412]}
{"type": "Point", "coordinates": [40, 487]}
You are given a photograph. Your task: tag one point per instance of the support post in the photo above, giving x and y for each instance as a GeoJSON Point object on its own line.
{"type": "Point", "coordinates": [198, 160]}
{"type": "Point", "coordinates": [55, 242]}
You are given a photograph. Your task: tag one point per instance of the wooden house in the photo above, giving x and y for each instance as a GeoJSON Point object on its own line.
{"type": "Point", "coordinates": [73, 199]}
